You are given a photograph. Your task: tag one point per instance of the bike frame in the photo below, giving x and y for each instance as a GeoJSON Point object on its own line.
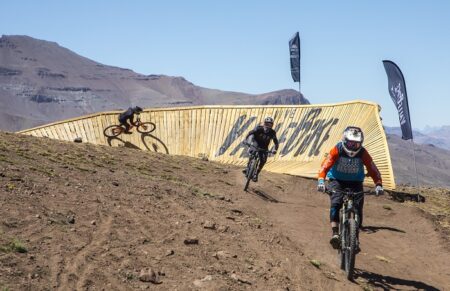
{"type": "Point", "coordinates": [137, 122]}
{"type": "Point", "coordinates": [255, 155]}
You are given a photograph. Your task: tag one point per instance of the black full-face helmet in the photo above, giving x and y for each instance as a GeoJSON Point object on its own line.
{"type": "Point", "coordinates": [137, 109]}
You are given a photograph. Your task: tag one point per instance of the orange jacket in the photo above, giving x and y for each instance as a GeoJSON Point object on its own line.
{"type": "Point", "coordinates": [333, 156]}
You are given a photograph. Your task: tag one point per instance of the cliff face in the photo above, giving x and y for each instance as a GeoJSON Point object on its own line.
{"type": "Point", "coordinates": [41, 82]}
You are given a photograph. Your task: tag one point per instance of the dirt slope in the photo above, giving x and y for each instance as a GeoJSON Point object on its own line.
{"type": "Point", "coordinates": [91, 218]}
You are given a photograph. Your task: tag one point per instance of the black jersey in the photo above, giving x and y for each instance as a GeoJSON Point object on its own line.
{"type": "Point", "coordinates": [264, 136]}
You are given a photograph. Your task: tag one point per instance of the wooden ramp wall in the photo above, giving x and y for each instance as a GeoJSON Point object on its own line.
{"type": "Point", "coordinates": [306, 133]}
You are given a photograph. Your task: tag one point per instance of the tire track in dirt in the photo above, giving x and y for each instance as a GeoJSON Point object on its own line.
{"type": "Point", "coordinates": [76, 272]}
{"type": "Point", "coordinates": [56, 268]}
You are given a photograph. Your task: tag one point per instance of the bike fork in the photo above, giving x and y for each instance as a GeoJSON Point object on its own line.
{"type": "Point", "coordinates": [342, 225]}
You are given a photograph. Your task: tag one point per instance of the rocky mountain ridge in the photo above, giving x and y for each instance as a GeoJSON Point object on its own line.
{"type": "Point", "coordinates": [41, 82]}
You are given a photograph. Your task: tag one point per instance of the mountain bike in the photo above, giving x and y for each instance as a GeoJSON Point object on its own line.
{"type": "Point", "coordinates": [348, 229]}
{"type": "Point", "coordinates": [118, 129]}
{"type": "Point", "coordinates": [253, 163]}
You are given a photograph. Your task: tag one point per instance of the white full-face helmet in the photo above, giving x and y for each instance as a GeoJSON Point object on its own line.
{"type": "Point", "coordinates": [352, 140]}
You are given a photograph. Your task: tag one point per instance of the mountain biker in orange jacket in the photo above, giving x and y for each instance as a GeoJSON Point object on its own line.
{"type": "Point", "coordinates": [128, 115]}
{"type": "Point", "coordinates": [261, 137]}
{"type": "Point", "coordinates": [344, 167]}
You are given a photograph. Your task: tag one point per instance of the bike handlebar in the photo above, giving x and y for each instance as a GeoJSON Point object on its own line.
{"type": "Point", "coordinates": [347, 192]}
{"type": "Point", "coordinates": [257, 148]}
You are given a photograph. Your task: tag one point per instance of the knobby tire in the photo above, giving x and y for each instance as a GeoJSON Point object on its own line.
{"type": "Point", "coordinates": [146, 127]}
{"type": "Point", "coordinates": [350, 251]}
{"type": "Point", "coordinates": [250, 172]}
{"type": "Point", "coordinates": [113, 131]}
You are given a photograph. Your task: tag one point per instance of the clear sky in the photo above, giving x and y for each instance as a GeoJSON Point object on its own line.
{"type": "Point", "coordinates": [242, 45]}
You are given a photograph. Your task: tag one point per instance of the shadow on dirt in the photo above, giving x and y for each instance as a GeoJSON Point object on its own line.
{"type": "Point", "coordinates": [151, 143]}
{"type": "Point", "coordinates": [126, 144]}
{"type": "Point", "coordinates": [402, 197]}
{"type": "Point", "coordinates": [264, 196]}
{"type": "Point", "coordinates": [157, 145]}
{"type": "Point", "coordinates": [373, 229]}
{"type": "Point", "coordinates": [391, 283]}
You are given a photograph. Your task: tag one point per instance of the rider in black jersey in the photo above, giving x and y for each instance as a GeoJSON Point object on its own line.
{"type": "Point", "coordinates": [261, 137]}
{"type": "Point", "coordinates": [128, 115]}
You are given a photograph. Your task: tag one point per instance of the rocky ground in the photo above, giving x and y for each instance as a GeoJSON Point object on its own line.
{"type": "Point", "coordinates": [86, 217]}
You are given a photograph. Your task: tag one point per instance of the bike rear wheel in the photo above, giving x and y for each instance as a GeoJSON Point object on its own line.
{"type": "Point", "coordinates": [350, 250]}
{"type": "Point", "coordinates": [146, 127]}
{"type": "Point", "coordinates": [113, 130]}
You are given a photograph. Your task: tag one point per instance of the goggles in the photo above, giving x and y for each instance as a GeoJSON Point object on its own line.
{"type": "Point", "coordinates": [353, 145]}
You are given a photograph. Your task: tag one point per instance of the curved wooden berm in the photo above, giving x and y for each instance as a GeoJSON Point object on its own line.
{"type": "Point", "coordinates": [306, 133]}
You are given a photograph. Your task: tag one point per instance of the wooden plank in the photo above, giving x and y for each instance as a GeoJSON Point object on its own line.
{"type": "Point", "coordinates": [186, 135]}
{"type": "Point", "coordinates": [52, 133]}
{"type": "Point", "coordinates": [88, 130]}
{"type": "Point", "coordinates": [147, 140]}
{"type": "Point", "coordinates": [196, 125]}
{"type": "Point", "coordinates": [34, 133]}
{"type": "Point", "coordinates": [63, 132]}
{"type": "Point", "coordinates": [212, 133]}
{"type": "Point", "coordinates": [80, 130]}
{"type": "Point", "coordinates": [76, 129]}
{"type": "Point", "coordinates": [170, 133]}
{"type": "Point", "coordinates": [224, 130]}
{"type": "Point", "coordinates": [179, 131]}
{"type": "Point", "coordinates": [219, 129]}
{"type": "Point", "coordinates": [206, 125]}
{"type": "Point", "coordinates": [47, 132]}
{"type": "Point", "coordinates": [165, 132]}
{"type": "Point", "coordinates": [98, 129]}
{"type": "Point", "coordinates": [66, 129]}
{"type": "Point", "coordinates": [193, 131]}
{"type": "Point", "coordinates": [73, 129]}
{"type": "Point", "coordinates": [93, 131]}
{"type": "Point", "coordinates": [42, 132]}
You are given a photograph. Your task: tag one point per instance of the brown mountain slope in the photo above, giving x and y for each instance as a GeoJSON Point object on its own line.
{"type": "Point", "coordinates": [433, 163]}
{"type": "Point", "coordinates": [438, 136]}
{"type": "Point", "coordinates": [41, 82]}
{"type": "Point", "coordinates": [85, 217]}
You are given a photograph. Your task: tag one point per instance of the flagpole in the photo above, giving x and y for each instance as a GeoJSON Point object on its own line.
{"type": "Point", "coordinates": [415, 170]}
{"type": "Point", "coordinates": [299, 88]}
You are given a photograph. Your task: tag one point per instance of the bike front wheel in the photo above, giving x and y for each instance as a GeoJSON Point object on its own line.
{"type": "Point", "coordinates": [113, 130]}
{"type": "Point", "coordinates": [251, 169]}
{"type": "Point", "coordinates": [146, 127]}
{"type": "Point", "coordinates": [350, 248]}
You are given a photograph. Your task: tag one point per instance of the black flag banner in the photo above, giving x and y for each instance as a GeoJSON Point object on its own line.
{"type": "Point", "coordinates": [294, 49]}
{"type": "Point", "coordinates": [397, 90]}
